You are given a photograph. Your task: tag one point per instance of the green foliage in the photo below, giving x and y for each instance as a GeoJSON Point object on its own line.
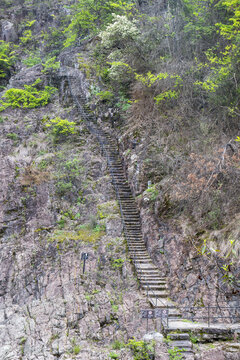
{"type": "Point", "coordinates": [84, 66]}
{"type": "Point", "coordinates": [29, 97]}
{"type": "Point", "coordinates": [105, 95]}
{"type": "Point", "coordinates": [117, 345]}
{"type": "Point", "coordinates": [76, 349]}
{"type": "Point", "coordinates": [141, 350]}
{"type": "Point", "coordinates": [193, 339]}
{"type": "Point", "coordinates": [166, 95]}
{"type": "Point", "coordinates": [7, 58]}
{"type": "Point", "coordinates": [27, 37]}
{"type": "Point", "coordinates": [153, 192]}
{"type": "Point", "coordinates": [84, 234]}
{"type": "Point", "coordinates": [63, 187]}
{"type": "Point", "coordinates": [150, 79]}
{"type": "Point", "coordinates": [175, 353]}
{"type": "Point", "coordinates": [61, 127]}
{"type": "Point", "coordinates": [119, 33]}
{"type": "Point", "coordinates": [51, 65]}
{"type": "Point", "coordinates": [123, 103]}
{"type": "Point", "coordinates": [12, 136]}
{"type": "Point", "coordinates": [30, 23]}
{"type": "Point", "coordinates": [91, 15]}
{"type": "Point", "coordinates": [32, 59]}
{"type": "Point", "coordinates": [117, 263]}
{"type": "Point", "coordinates": [113, 355]}
{"type": "Point", "coordinates": [119, 71]}
{"type": "Point", "coordinates": [216, 20]}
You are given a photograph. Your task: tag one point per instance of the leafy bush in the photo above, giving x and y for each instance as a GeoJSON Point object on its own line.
{"type": "Point", "coordinates": [119, 33]}
{"type": "Point", "coordinates": [113, 355]}
{"type": "Point", "coordinates": [76, 349]}
{"type": "Point", "coordinates": [29, 97]}
{"type": "Point", "coordinates": [7, 58]}
{"type": "Point", "coordinates": [90, 15]}
{"type": "Point", "coordinates": [63, 187]}
{"type": "Point", "coordinates": [141, 350]}
{"type": "Point", "coordinates": [61, 127]}
{"type": "Point", "coordinates": [51, 65]}
{"type": "Point", "coordinates": [27, 37]}
{"type": "Point", "coordinates": [33, 59]}
{"type": "Point", "coordinates": [105, 95]}
{"type": "Point", "coordinates": [118, 263]}
{"type": "Point", "coordinates": [12, 136]}
{"type": "Point", "coordinates": [117, 345]}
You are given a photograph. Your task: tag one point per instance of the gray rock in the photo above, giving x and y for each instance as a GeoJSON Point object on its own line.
{"type": "Point", "coordinates": [8, 31]}
{"type": "Point", "coordinates": [156, 336]}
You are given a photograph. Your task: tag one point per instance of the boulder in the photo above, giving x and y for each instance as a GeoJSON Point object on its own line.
{"type": "Point", "coordinates": [8, 31]}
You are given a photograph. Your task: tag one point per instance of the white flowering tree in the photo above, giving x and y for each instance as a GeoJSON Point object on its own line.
{"type": "Point", "coordinates": [118, 39]}
{"type": "Point", "coordinates": [120, 33]}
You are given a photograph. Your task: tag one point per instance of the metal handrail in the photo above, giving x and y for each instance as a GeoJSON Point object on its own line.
{"type": "Point", "coordinates": [95, 130]}
{"type": "Point", "coordinates": [207, 316]}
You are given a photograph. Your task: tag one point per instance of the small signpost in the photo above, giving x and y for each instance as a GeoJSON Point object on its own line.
{"type": "Point", "coordinates": [84, 257]}
{"type": "Point", "coordinates": [154, 314]}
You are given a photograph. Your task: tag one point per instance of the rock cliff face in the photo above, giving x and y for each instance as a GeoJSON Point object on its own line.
{"type": "Point", "coordinates": [194, 278]}
{"type": "Point", "coordinates": [56, 203]}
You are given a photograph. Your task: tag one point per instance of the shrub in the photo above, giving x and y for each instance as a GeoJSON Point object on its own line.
{"type": "Point", "coordinates": [105, 95]}
{"type": "Point", "coordinates": [12, 136]}
{"type": "Point", "coordinates": [117, 345]}
{"type": "Point", "coordinates": [7, 58]}
{"type": "Point", "coordinates": [113, 355]}
{"type": "Point", "coordinates": [61, 127]}
{"type": "Point", "coordinates": [33, 59]}
{"type": "Point", "coordinates": [76, 349]}
{"type": "Point", "coordinates": [27, 37]}
{"type": "Point", "coordinates": [121, 31]}
{"type": "Point", "coordinates": [29, 97]}
{"type": "Point", "coordinates": [140, 349]}
{"type": "Point", "coordinates": [51, 65]}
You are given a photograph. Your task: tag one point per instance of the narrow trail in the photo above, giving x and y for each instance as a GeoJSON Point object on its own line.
{"type": "Point", "coordinates": [151, 282]}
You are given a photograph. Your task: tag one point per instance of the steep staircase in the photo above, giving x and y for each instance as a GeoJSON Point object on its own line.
{"type": "Point", "coordinates": [152, 284]}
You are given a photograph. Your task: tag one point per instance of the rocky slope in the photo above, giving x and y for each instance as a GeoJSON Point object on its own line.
{"type": "Point", "coordinates": [57, 202]}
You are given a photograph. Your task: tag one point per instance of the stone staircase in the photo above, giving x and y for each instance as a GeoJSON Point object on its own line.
{"type": "Point", "coordinates": [152, 284]}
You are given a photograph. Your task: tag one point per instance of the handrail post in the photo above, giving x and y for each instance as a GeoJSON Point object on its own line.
{"type": "Point", "coordinates": [208, 315]}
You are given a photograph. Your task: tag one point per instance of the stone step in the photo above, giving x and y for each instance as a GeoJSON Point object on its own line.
{"type": "Point", "coordinates": [131, 212]}
{"type": "Point", "coordinates": [133, 220]}
{"type": "Point", "coordinates": [153, 278]}
{"type": "Point", "coordinates": [156, 279]}
{"type": "Point", "coordinates": [135, 240]}
{"type": "Point", "coordinates": [136, 243]}
{"type": "Point", "coordinates": [179, 336]}
{"type": "Point", "coordinates": [163, 303]}
{"type": "Point", "coordinates": [181, 344]}
{"type": "Point", "coordinates": [148, 269]}
{"type": "Point", "coordinates": [152, 282]}
{"type": "Point", "coordinates": [154, 287]}
{"type": "Point", "coordinates": [139, 253]}
{"type": "Point", "coordinates": [131, 234]}
{"type": "Point", "coordinates": [142, 256]}
{"type": "Point", "coordinates": [157, 294]}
